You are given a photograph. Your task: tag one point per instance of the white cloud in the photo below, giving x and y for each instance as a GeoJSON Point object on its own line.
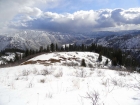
{"type": "Point", "coordinates": [27, 14]}
{"type": "Point", "coordinates": [31, 11]}
{"type": "Point", "coordinates": [87, 20]}
{"type": "Point", "coordinates": [10, 9]}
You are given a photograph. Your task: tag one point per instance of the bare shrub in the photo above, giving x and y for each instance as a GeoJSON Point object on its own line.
{"type": "Point", "coordinates": [72, 63]}
{"type": "Point", "coordinates": [100, 73]}
{"type": "Point", "coordinates": [137, 86]}
{"type": "Point", "coordinates": [90, 65]}
{"type": "Point", "coordinates": [92, 69]}
{"type": "Point", "coordinates": [114, 81]}
{"type": "Point", "coordinates": [34, 71]}
{"type": "Point", "coordinates": [30, 85]}
{"type": "Point", "coordinates": [49, 95]}
{"type": "Point", "coordinates": [75, 64]}
{"type": "Point", "coordinates": [123, 73]}
{"type": "Point", "coordinates": [81, 73]}
{"type": "Point", "coordinates": [42, 80]}
{"type": "Point", "coordinates": [25, 73]}
{"type": "Point", "coordinates": [93, 97]}
{"type": "Point", "coordinates": [44, 72]}
{"type": "Point", "coordinates": [117, 82]}
{"type": "Point", "coordinates": [16, 77]}
{"type": "Point", "coordinates": [105, 82]}
{"type": "Point", "coordinates": [59, 74]}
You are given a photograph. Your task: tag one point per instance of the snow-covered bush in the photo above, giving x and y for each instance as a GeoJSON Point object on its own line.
{"type": "Point", "coordinates": [44, 72]}
{"type": "Point", "coordinates": [105, 82]}
{"type": "Point", "coordinates": [114, 81]}
{"type": "Point", "coordinates": [58, 73]}
{"type": "Point", "coordinates": [25, 73]}
{"type": "Point", "coordinates": [118, 82]}
{"type": "Point", "coordinates": [123, 73]}
{"type": "Point", "coordinates": [81, 73]}
{"type": "Point", "coordinates": [100, 73]}
{"type": "Point", "coordinates": [71, 63]}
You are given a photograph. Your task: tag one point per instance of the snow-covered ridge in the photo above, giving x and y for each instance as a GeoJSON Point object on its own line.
{"type": "Point", "coordinates": [69, 59]}
{"type": "Point", "coordinates": [32, 39]}
{"type": "Point", "coordinates": [58, 84]}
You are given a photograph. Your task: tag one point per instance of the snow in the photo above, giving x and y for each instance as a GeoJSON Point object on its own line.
{"type": "Point", "coordinates": [58, 84]}
{"type": "Point", "coordinates": [7, 57]}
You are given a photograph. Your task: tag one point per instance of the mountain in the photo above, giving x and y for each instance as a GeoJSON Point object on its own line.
{"type": "Point", "coordinates": [127, 42]}
{"type": "Point", "coordinates": [31, 39]}
{"type": "Point", "coordinates": [34, 39]}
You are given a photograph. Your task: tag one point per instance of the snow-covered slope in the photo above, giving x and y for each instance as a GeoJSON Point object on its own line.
{"type": "Point", "coordinates": [123, 42]}
{"type": "Point", "coordinates": [69, 59]}
{"type": "Point", "coordinates": [49, 80]}
{"type": "Point", "coordinates": [128, 42]}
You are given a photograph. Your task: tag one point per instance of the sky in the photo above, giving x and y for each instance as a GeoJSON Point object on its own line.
{"type": "Point", "coordinates": [69, 15]}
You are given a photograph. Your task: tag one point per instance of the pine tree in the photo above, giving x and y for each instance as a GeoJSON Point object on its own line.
{"type": "Point", "coordinates": [83, 47]}
{"type": "Point", "coordinates": [106, 62]}
{"type": "Point", "coordinates": [52, 47]}
{"type": "Point", "coordinates": [100, 57]}
{"type": "Point", "coordinates": [83, 63]}
{"type": "Point", "coordinates": [16, 57]}
{"type": "Point", "coordinates": [56, 47]}
{"type": "Point", "coordinates": [114, 61]}
{"type": "Point", "coordinates": [48, 48]}
{"type": "Point", "coordinates": [41, 49]}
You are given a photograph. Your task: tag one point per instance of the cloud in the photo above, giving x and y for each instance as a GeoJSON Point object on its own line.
{"type": "Point", "coordinates": [37, 14]}
{"type": "Point", "coordinates": [11, 9]}
{"type": "Point", "coordinates": [79, 21]}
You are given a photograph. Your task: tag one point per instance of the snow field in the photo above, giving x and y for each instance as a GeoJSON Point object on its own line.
{"type": "Point", "coordinates": [56, 84]}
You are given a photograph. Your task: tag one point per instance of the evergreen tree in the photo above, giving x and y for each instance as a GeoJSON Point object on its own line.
{"type": "Point", "coordinates": [66, 48]}
{"type": "Point", "coordinates": [56, 47]}
{"type": "Point", "coordinates": [62, 48]}
{"type": "Point", "coordinates": [16, 57]}
{"type": "Point", "coordinates": [100, 57]}
{"type": "Point", "coordinates": [41, 49]}
{"type": "Point", "coordinates": [71, 48]}
{"type": "Point", "coordinates": [83, 63]}
{"type": "Point", "coordinates": [106, 62]}
{"type": "Point", "coordinates": [83, 47]}
{"type": "Point", "coordinates": [48, 48]}
{"type": "Point", "coordinates": [114, 61]}
{"type": "Point", "coordinates": [52, 47]}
